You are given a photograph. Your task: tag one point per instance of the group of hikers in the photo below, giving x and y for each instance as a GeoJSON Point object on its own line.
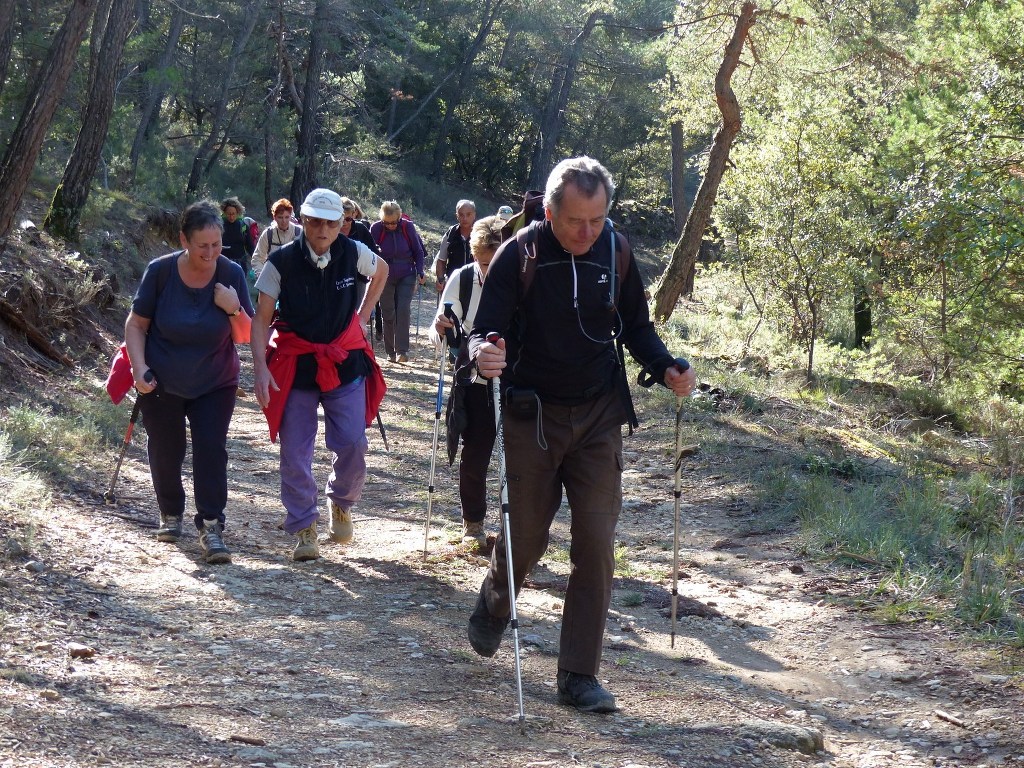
{"type": "Point", "coordinates": [542, 311]}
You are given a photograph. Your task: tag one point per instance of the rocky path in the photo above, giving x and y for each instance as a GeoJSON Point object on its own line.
{"type": "Point", "coordinates": [119, 650]}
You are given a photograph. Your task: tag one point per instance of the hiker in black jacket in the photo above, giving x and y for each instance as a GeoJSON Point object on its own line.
{"type": "Point", "coordinates": [565, 399]}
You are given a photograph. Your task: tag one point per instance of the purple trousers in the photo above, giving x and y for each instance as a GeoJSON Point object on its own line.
{"type": "Point", "coordinates": [345, 436]}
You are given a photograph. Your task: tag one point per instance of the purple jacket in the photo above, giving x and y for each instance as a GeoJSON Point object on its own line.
{"type": "Point", "coordinates": [401, 248]}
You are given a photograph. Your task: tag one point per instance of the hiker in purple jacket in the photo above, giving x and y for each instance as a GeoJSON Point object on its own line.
{"type": "Point", "coordinates": [401, 247]}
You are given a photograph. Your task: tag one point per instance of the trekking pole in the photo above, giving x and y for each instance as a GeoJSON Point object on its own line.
{"type": "Point", "coordinates": [383, 434]}
{"type": "Point", "coordinates": [419, 306]}
{"type": "Point", "coordinates": [499, 443]}
{"type": "Point", "coordinates": [450, 314]}
{"type": "Point", "coordinates": [681, 365]}
{"type": "Point", "coordinates": [109, 496]}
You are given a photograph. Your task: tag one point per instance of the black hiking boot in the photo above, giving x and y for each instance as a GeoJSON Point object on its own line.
{"type": "Point", "coordinates": [584, 693]}
{"type": "Point", "coordinates": [210, 540]}
{"type": "Point", "coordinates": [170, 528]}
{"type": "Point", "coordinates": [485, 630]}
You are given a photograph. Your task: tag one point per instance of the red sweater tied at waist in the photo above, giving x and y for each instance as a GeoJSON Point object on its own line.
{"type": "Point", "coordinates": [283, 351]}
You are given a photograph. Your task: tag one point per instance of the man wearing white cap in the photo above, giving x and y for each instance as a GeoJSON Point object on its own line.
{"type": "Point", "coordinates": [318, 355]}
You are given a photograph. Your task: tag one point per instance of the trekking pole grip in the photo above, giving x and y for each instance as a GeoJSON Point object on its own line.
{"type": "Point", "coordinates": [453, 334]}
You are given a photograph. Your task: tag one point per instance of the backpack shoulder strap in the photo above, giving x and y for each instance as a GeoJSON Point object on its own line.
{"type": "Point", "coordinates": [620, 264]}
{"type": "Point", "coordinates": [223, 270]}
{"type": "Point", "coordinates": [527, 259]}
{"type": "Point", "coordinates": [164, 272]}
{"type": "Point", "coordinates": [466, 277]}
{"type": "Point", "coordinates": [403, 225]}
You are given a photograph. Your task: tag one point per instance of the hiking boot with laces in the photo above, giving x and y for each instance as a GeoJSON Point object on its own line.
{"type": "Point", "coordinates": [403, 358]}
{"type": "Point", "coordinates": [212, 544]}
{"type": "Point", "coordinates": [341, 524]}
{"type": "Point", "coordinates": [473, 533]}
{"type": "Point", "coordinates": [170, 528]}
{"type": "Point", "coordinates": [306, 548]}
{"type": "Point", "coordinates": [584, 693]}
{"type": "Point", "coordinates": [485, 630]}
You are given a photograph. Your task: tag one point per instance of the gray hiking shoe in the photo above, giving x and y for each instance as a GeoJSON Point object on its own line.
{"type": "Point", "coordinates": [474, 533]}
{"type": "Point", "coordinates": [170, 528]}
{"type": "Point", "coordinates": [584, 693]}
{"type": "Point", "coordinates": [212, 544]}
{"type": "Point", "coordinates": [341, 529]}
{"type": "Point", "coordinates": [306, 548]}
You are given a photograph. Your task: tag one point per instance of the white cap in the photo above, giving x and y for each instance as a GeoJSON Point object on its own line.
{"type": "Point", "coordinates": [505, 212]}
{"type": "Point", "coordinates": [322, 204]}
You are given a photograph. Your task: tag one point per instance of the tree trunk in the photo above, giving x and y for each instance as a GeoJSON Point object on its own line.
{"type": "Point", "coordinates": [73, 190]}
{"type": "Point", "coordinates": [304, 179]}
{"type": "Point", "coordinates": [243, 32]}
{"type": "Point", "coordinates": [488, 14]}
{"type": "Point", "coordinates": [34, 123]}
{"type": "Point", "coordinates": [6, 39]}
{"type": "Point", "coordinates": [679, 157]}
{"type": "Point", "coordinates": [270, 108]}
{"type": "Point", "coordinates": [155, 95]}
{"type": "Point", "coordinates": [396, 89]}
{"type": "Point", "coordinates": [96, 37]}
{"type": "Point", "coordinates": [678, 277]}
{"type": "Point", "coordinates": [554, 111]}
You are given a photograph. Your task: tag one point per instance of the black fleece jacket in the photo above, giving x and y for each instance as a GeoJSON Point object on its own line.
{"type": "Point", "coordinates": [561, 347]}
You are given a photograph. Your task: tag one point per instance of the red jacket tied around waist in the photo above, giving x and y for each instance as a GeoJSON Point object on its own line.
{"type": "Point", "coordinates": [283, 351]}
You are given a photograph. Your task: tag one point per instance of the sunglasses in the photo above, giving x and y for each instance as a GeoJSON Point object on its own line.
{"type": "Point", "coordinates": [310, 221]}
{"type": "Point", "coordinates": [349, 218]}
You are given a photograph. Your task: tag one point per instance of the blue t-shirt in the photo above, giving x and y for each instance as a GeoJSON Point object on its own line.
{"type": "Point", "coordinates": [189, 345]}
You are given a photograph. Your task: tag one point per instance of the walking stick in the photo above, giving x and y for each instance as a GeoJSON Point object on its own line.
{"type": "Point", "coordinates": [437, 424]}
{"type": "Point", "coordinates": [499, 443]}
{"type": "Point", "coordinates": [681, 365]}
{"type": "Point", "coordinates": [109, 496]}
{"type": "Point", "coordinates": [419, 307]}
{"type": "Point", "coordinates": [383, 434]}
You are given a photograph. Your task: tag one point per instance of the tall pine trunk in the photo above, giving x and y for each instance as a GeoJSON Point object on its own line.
{"type": "Point", "coordinates": [679, 275]}
{"type": "Point", "coordinates": [34, 123]}
{"type": "Point", "coordinates": [304, 178]}
{"type": "Point", "coordinates": [558, 99]}
{"type": "Point", "coordinates": [250, 14]}
{"type": "Point", "coordinates": [73, 190]}
{"type": "Point", "coordinates": [155, 94]}
{"type": "Point", "coordinates": [6, 38]}
{"type": "Point", "coordinates": [487, 17]}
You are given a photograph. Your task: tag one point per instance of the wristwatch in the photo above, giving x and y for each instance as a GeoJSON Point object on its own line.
{"type": "Point", "coordinates": [236, 313]}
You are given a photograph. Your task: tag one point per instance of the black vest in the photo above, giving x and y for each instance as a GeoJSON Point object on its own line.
{"type": "Point", "coordinates": [318, 304]}
{"type": "Point", "coordinates": [458, 251]}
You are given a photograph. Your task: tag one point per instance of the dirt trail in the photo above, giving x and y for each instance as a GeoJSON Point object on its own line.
{"type": "Point", "coordinates": [360, 658]}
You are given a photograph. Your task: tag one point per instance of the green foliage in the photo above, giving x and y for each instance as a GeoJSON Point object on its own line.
{"type": "Point", "coordinates": [22, 490]}
{"type": "Point", "coordinates": [51, 443]}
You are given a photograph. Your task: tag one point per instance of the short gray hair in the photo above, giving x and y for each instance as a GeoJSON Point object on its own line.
{"type": "Point", "coordinates": [585, 173]}
{"type": "Point", "coordinates": [464, 204]}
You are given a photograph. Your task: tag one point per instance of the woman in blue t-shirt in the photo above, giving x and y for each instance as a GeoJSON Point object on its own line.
{"type": "Point", "coordinates": [190, 309]}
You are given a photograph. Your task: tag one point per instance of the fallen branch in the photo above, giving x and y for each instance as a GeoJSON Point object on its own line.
{"type": "Point", "coordinates": [942, 715]}
{"type": "Point", "coordinates": [34, 335]}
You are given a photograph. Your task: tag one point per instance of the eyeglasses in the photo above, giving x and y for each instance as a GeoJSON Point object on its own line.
{"type": "Point", "coordinates": [391, 224]}
{"type": "Point", "coordinates": [310, 221]}
{"type": "Point", "coordinates": [348, 219]}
